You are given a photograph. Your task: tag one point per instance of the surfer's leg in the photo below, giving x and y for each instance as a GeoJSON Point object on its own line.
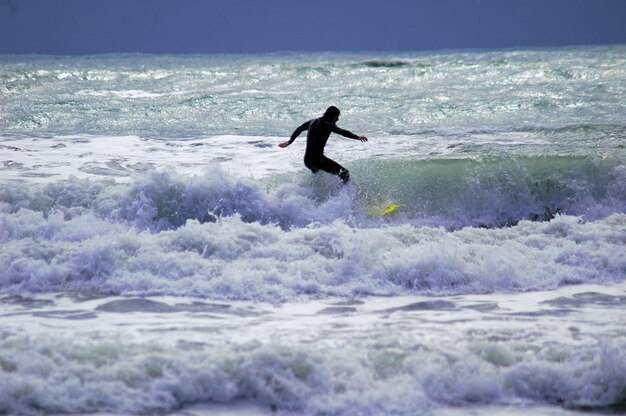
{"type": "Point", "coordinates": [330, 166]}
{"type": "Point", "coordinates": [311, 165]}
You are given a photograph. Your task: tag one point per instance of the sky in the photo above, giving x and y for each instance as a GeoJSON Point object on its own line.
{"type": "Point", "coordinates": [234, 26]}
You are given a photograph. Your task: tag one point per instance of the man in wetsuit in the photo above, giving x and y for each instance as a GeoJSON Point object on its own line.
{"type": "Point", "coordinates": [319, 130]}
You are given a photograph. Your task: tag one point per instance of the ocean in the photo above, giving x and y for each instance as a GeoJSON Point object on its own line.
{"type": "Point", "coordinates": [160, 254]}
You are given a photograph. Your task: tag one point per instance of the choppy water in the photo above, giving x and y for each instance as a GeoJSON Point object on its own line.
{"type": "Point", "coordinates": [159, 252]}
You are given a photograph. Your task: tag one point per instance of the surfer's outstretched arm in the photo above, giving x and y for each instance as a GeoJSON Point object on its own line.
{"type": "Point", "coordinates": [295, 134]}
{"type": "Point", "coordinates": [349, 134]}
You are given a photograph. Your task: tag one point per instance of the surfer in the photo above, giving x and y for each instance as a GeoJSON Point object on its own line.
{"type": "Point", "coordinates": [319, 130]}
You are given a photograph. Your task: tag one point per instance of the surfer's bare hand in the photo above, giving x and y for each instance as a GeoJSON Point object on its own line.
{"type": "Point", "coordinates": [363, 139]}
{"type": "Point", "coordinates": [284, 144]}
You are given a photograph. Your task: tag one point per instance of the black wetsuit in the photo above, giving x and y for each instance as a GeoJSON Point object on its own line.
{"type": "Point", "coordinates": [314, 159]}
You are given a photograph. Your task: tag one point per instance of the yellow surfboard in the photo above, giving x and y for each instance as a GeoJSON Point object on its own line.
{"type": "Point", "coordinates": [386, 210]}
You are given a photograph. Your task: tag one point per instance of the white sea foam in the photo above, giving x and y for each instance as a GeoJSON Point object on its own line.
{"type": "Point", "coordinates": [121, 94]}
{"type": "Point", "coordinates": [379, 356]}
{"type": "Point", "coordinates": [218, 237]}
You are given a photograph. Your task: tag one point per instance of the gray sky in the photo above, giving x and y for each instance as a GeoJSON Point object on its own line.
{"type": "Point", "coordinates": [196, 26]}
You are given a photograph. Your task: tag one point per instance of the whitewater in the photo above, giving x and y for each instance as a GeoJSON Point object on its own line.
{"type": "Point", "coordinates": [160, 254]}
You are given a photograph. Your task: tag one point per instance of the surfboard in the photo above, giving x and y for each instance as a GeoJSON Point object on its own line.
{"type": "Point", "coordinates": [384, 210]}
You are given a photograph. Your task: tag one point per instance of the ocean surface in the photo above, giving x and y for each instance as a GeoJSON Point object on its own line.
{"type": "Point", "coordinates": [160, 254]}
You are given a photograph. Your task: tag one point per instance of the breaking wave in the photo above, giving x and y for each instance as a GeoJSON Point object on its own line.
{"type": "Point", "coordinates": [219, 237]}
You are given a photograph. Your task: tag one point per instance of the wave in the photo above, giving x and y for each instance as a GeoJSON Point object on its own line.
{"type": "Point", "coordinates": [311, 379]}
{"type": "Point", "coordinates": [591, 132]}
{"type": "Point", "coordinates": [496, 191]}
{"type": "Point", "coordinates": [231, 259]}
{"type": "Point", "coordinates": [383, 63]}
{"type": "Point", "coordinates": [488, 192]}
{"type": "Point", "coordinates": [215, 236]}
